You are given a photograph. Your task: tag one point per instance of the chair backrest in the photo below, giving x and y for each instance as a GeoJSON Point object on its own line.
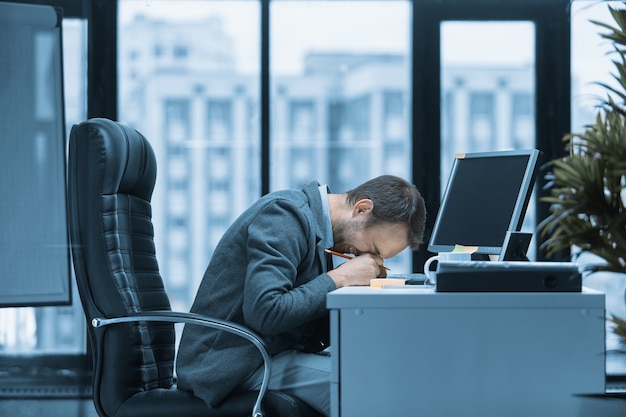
{"type": "Point", "coordinates": [111, 176]}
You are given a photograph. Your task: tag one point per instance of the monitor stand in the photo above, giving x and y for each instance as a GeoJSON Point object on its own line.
{"type": "Point", "coordinates": [515, 246]}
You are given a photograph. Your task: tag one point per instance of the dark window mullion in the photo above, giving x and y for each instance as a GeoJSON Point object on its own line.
{"type": "Point", "coordinates": [265, 97]}
{"type": "Point", "coordinates": [102, 60]}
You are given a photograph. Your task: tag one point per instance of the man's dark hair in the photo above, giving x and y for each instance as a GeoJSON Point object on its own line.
{"type": "Point", "coordinates": [395, 201]}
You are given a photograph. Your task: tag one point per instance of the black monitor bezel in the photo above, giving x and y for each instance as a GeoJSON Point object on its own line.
{"type": "Point", "coordinates": [519, 211]}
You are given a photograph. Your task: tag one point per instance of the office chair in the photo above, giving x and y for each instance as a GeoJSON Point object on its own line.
{"type": "Point", "coordinates": [111, 176]}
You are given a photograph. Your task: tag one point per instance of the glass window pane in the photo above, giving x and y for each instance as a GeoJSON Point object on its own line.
{"type": "Point", "coordinates": [340, 94]}
{"type": "Point", "coordinates": [488, 87]}
{"type": "Point", "coordinates": [189, 81]}
{"type": "Point", "coordinates": [592, 58]}
{"type": "Point", "coordinates": [487, 91]}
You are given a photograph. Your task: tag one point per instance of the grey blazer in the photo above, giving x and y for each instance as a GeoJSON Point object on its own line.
{"type": "Point", "coordinates": [269, 273]}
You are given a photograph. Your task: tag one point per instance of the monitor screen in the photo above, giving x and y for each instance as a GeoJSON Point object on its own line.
{"type": "Point", "coordinates": [486, 196]}
{"type": "Point", "coordinates": [35, 266]}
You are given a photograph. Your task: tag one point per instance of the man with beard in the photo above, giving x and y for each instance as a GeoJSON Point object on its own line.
{"type": "Point", "coordinates": [271, 272]}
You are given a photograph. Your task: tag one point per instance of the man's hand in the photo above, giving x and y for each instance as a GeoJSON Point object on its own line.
{"type": "Point", "coordinates": [358, 270]}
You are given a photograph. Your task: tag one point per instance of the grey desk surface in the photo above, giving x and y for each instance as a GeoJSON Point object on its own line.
{"type": "Point", "coordinates": [426, 297]}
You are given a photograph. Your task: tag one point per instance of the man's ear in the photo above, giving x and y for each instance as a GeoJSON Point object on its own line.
{"type": "Point", "coordinates": [363, 206]}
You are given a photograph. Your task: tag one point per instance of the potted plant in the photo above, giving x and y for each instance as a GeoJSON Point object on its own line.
{"type": "Point", "coordinates": [587, 187]}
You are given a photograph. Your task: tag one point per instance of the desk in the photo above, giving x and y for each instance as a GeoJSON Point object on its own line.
{"type": "Point", "coordinates": [408, 352]}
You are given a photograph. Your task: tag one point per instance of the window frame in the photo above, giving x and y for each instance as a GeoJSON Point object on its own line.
{"type": "Point", "coordinates": [552, 83]}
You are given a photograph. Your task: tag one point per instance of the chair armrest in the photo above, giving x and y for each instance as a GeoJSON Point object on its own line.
{"type": "Point", "coordinates": [197, 319]}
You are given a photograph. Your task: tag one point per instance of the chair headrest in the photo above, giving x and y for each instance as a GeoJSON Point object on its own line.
{"type": "Point", "coordinates": [124, 155]}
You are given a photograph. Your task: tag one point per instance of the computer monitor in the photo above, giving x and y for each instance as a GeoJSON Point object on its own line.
{"type": "Point", "coordinates": [486, 197]}
{"type": "Point", "coordinates": [35, 266]}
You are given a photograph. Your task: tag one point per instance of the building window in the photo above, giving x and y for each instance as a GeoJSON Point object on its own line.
{"type": "Point", "coordinates": [523, 120]}
{"type": "Point", "coordinates": [219, 121]}
{"type": "Point", "coordinates": [482, 121]}
{"type": "Point", "coordinates": [302, 122]}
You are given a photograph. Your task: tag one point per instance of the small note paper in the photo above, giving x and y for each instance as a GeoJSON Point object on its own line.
{"type": "Point", "coordinates": [464, 249]}
{"type": "Point", "coordinates": [384, 282]}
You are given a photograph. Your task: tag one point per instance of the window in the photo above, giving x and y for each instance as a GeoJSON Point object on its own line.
{"type": "Point", "coordinates": [486, 65]}
{"type": "Point", "coordinates": [482, 121]}
{"type": "Point", "coordinates": [204, 92]}
{"type": "Point", "coordinates": [302, 120]}
{"type": "Point", "coordinates": [522, 119]}
{"type": "Point", "coordinates": [487, 89]}
{"type": "Point", "coordinates": [209, 102]}
{"type": "Point", "coordinates": [333, 63]}
{"type": "Point", "coordinates": [341, 94]}
{"type": "Point", "coordinates": [219, 120]}
{"type": "Point", "coordinates": [354, 91]}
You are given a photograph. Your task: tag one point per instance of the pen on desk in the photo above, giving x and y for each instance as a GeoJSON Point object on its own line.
{"type": "Point", "coordinates": [343, 255]}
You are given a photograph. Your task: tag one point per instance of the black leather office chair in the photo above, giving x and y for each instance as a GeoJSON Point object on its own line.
{"type": "Point", "coordinates": [111, 176]}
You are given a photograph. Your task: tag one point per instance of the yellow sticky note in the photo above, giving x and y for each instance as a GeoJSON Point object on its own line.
{"type": "Point", "coordinates": [464, 249]}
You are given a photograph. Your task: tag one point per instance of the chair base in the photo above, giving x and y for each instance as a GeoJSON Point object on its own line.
{"type": "Point", "coordinates": [173, 403]}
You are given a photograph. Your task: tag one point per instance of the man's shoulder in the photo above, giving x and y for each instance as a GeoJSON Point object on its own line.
{"type": "Point", "coordinates": [283, 197]}
{"type": "Point", "coordinates": [295, 196]}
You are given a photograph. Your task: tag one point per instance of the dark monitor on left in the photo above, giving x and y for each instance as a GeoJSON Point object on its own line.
{"type": "Point", "coordinates": [35, 260]}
